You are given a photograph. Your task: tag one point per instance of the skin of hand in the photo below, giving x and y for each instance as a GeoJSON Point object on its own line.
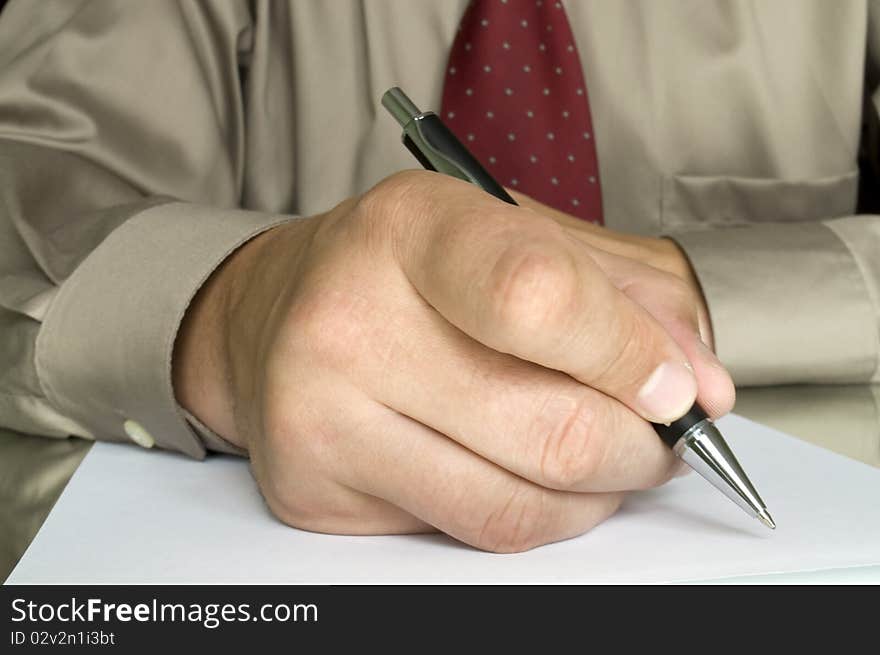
{"type": "Point", "coordinates": [676, 301]}
{"type": "Point", "coordinates": [425, 357]}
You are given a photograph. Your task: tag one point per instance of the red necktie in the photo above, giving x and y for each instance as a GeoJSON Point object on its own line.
{"type": "Point", "coordinates": [515, 95]}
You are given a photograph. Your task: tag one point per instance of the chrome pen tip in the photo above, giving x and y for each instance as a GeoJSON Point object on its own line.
{"type": "Point", "coordinates": [765, 518]}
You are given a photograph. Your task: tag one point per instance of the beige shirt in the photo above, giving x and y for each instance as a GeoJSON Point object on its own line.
{"type": "Point", "coordinates": [142, 142]}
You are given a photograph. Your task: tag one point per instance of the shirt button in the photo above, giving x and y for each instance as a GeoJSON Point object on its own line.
{"type": "Point", "coordinates": [138, 434]}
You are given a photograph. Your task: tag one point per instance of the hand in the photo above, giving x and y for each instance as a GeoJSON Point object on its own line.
{"type": "Point", "coordinates": [426, 357]}
{"type": "Point", "coordinates": [659, 253]}
{"type": "Point", "coordinates": [656, 273]}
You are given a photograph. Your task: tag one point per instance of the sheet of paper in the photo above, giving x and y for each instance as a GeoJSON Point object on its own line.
{"type": "Point", "coordinates": [128, 516]}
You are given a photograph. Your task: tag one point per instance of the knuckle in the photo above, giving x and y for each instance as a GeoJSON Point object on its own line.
{"type": "Point", "coordinates": [677, 287]}
{"type": "Point", "coordinates": [516, 525]}
{"type": "Point", "coordinates": [291, 509]}
{"type": "Point", "coordinates": [284, 497]}
{"type": "Point", "coordinates": [392, 202]}
{"type": "Point", "coordinates": [622, 359]}
{"type": "Point", "coordinates": [392, 190]}
{"type": "Point", "coordinates": [293, 468]}
{"type": "Point", "coordinates": [571, 449]}
{"type": "Point", "coordinates": [308, 512]}
{"type": "Point", "coordinates": [682, 298]}
{"type": "Point", "coordinates": [533, 288]}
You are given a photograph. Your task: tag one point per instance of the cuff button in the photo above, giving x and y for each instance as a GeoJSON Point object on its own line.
{"type": "Point", "coordinates": [138, 434]}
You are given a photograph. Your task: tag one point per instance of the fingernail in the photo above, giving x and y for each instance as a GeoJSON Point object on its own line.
{"type": "Point", "coordinates": [668, 394]}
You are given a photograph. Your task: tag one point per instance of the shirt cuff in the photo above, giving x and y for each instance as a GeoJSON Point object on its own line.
{"type": "Point", "coordinates": [103, 355]}
{"type": "Point", "coordinates": [787, 301]}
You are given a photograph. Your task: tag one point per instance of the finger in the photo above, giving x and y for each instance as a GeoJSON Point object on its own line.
{"type": "Point", "coordinates": [630, 246]}
{"type": "Point", "coordinates": [535, 422]}
{"type": "Point", "coordinates": [462, 494]}
{"type": "Point", "coordinates": [296, 466]}
{"type": "Point", "coordinates": [619, 243]}
{"type": "Point", "coordinates": [716, 392]}
{"type": "Point", "coordinates": [349, 512]}
{"type": "Point", "coordinates": [517, 282]}
{"type": "Point", "coordinates": [670, 302]}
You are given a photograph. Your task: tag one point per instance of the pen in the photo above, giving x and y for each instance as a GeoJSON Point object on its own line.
{"type": "Point", "coordinates": [694, 437]}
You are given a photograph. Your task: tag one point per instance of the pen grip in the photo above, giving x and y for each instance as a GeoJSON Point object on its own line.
{"type": "Point", "coordinates": [671, 433]}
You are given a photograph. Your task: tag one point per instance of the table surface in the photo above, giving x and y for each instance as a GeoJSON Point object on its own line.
{"type": "Point", "coordinates": [35, 470]}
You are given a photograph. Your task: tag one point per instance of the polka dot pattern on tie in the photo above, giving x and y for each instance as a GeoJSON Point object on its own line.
{"type": "Point", "coordinates": [515, 93]}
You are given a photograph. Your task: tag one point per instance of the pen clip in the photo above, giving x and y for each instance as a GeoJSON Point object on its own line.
{"type": "Point", "coordinates": [417, 153]}
{"type": "Point", "coordinates": [436, 147]}
{"type": "Point", "coordinates": [434, 153]}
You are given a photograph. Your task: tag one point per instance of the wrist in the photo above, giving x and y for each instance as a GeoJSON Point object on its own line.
{"type": "Point", "coordinates": [211, 338]}
{"type": "Point", "coordinates": [200, 363]}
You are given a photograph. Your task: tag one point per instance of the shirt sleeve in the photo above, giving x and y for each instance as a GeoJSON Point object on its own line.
{"type": "Point", "coordinates": [121, 156]}
{"type": "Point", "coordinates": [799, 302]}
{"type": "Point", "coordinates": [790, 303]}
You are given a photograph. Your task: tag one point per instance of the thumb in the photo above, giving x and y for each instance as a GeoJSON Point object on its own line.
{"type": "Point", "coordinates": [672, 304]}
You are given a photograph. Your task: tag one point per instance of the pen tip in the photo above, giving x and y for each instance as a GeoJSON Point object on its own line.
{"type": "Point", "coordinates": [766, 519]}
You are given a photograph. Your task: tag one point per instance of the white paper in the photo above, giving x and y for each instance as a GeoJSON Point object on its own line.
{"type": "Point", "coordinates": [133, 517]}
